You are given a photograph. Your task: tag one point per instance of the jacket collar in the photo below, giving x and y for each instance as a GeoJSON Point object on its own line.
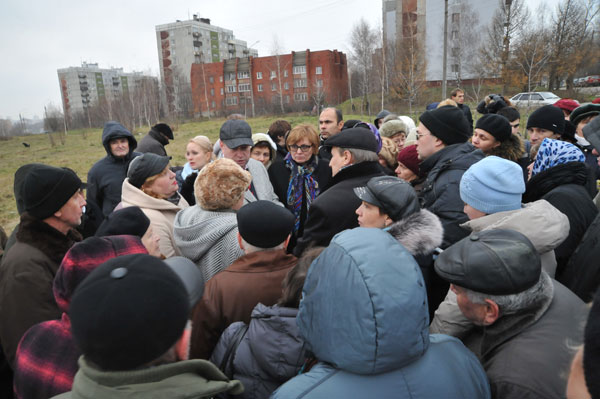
{"type": "Point", "coordinates": [261, 261]}
{"type": "Point", "coordinates": [158, 137]}
{"type": "Point", "coordinates": [357, 170]}
{"type": "Point", "coordinates": [544, 182]}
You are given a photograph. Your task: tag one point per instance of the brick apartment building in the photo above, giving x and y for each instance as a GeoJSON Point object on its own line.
{"type": "Point", "coordinates": [258, 85]}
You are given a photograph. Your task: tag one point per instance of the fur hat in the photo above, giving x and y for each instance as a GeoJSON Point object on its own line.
{"type": "Point", "coordinates": [393, 127]}
{"type": "Point", "coordinates": [221, 184]}
{"type": "Point", "coordinates": [389, 152]}
{"type": "Point", "coordinates": [164, 129]}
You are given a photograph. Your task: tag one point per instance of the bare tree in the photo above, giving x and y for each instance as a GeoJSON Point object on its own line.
{"type": "Point", "coordinates": [410, 66]}
{"type": "Point", "coordinates": [464, 42]}
{"type": "Point", "coordinates": [531, 55]}
{"type": "Point", "coordinates": [362, 43]}
{"type": "Point", "coordinates": [5, 126]}
{"type": "Point", "coordinates": [276, 69]}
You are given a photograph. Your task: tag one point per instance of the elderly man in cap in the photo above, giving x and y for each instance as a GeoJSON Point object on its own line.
{"type": "Point", "coordinates": [156, 140]}
{"type": "Point", "coordinates": [53, 203]}
{"type": "Point", "coordinates": [528, 321]}
{"type": "Point", "coordinates": [127, 318]}
{"type": "Point", "coordinates": [353, 162]}
{"type": "Point", "coordinates": [235, 139]}
{"type": "Point", "coordinates": [442, 146]}
{"type": "Point", "coordinates": [255, 277]}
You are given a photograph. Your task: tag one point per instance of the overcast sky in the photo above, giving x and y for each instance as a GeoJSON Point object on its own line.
{"type": "Point", "coordinates": [39, 37]}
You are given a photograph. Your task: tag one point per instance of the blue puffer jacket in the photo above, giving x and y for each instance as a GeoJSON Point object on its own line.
{"type": "Point", "coordinates": [364, 315]}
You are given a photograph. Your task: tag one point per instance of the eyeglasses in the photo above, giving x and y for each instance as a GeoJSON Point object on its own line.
{"type": "Point", "coordinates": [419, 135]}
{"type": "Point", "coordinates": [303, 147]}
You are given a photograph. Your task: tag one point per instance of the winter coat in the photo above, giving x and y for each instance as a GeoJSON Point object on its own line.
{"type": "Point", "coordinates": [421, 233]}
{"type": "Point", "coordinates": [261, 184]}
{"type": "Point", "coordinates": [334, 210]}
{"type": "Point", "coordinates": [105, 178]}
{"type": "Point", "coordinates": [179, 380]}
{"type": "Point", "coordinates": [527, 355]}
{"type": "Point", "coordinates": [369, 330]}
{"type": "Point", "coordinates": [544, 225]}
{"type": "Point", "coordinates": [271, 352]}
{"type": "Point", "coordinates": [231, 295]}
{"type": "Point", "coordinates": [160, 212]}
{"type": "Point", "coordinates": [207, 238]}
{"type": "Point", "coordinates": [441, 194]}
{"type": "Point", "coordinates": [60, 363]}
{"type": "Point", "coordinates": [467, 111]}
{"type": "Point", "coordinates": [26, 275]}
{"type": "Point", "coordinates": [563, 186]}
{"type": "Point", "coordinates": [153, 142]}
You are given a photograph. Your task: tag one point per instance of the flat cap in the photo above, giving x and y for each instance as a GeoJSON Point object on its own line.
{"type": "Point", "coordinates": [236, 133]}
{"type": "Point", "coordinates": [392, 195]}
{"type": "Point", "coordinates": [356, 137]}
{"type": "Point", "coordinates": [145, 166]}
{"type": "Point", "coordinates": [494, 262]}
{"type": "Point", "coordinates": [264, 224]}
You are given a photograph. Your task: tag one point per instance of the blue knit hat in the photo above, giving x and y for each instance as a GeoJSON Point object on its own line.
{"type": "Point", "coordinates": [493, 185]}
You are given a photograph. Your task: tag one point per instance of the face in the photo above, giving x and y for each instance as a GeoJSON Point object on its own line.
{"type": "Point", "coordinates": [119, 147]}
{"type": "Point", "coordinates": [369, 215]}
{"type": "Point", "coordinates": [472, 213]}
{"type": "Point", "coordinates": [239, 155]}
{"type": "Point", "coordinates": [70, 213]}
{"type": "Point", "coordinates": [484, 141]}
{"type": "Point", "coordinates": [328, 124]}
{"type": "Point", "coordinates": [472, 311]}
{"type": "Point", "coordinates": [338, 160]}
{"type": "Point", "coordinates": [150, 241]}
{"type": "Point", "coordinates": [425, 142]}
{"type": "Point", "coordinates": [261, 154]}
{"type": "Point", "coordinates": [576, 386]}
{"type": "Point", "coordinates": [196, 156]}
{"type": "Point", "coordinates": [399, 139]}
{"type": "Point", "coordinates": [515, 126]}
{"type": "Point", "coordinates": [301, 156]}
{"type": "Point", "coordinates": [537, 135]}
{"type": "Point", "coordinates": [460, 97]}
{"type": "Point", "coordinates": [582, 124]}
{"type": "Point", "coordinates": [404, 173]}
{"type": "Point", "coordinates": [165, 185]}
{"type": "Point", "coordinates": [281, 141]}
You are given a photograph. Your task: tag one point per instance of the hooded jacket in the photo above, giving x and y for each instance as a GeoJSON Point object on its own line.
{"type": "Point", "coordinates": [153, 142]}
{"type": "Point", "coordinates": [366, 321]}
{"type": "Point", "coordinates": [47, 355]}
{"type": "Point", "coordinates": [271, 352]}
{"type": "Point", "coordinates": [106, 176]}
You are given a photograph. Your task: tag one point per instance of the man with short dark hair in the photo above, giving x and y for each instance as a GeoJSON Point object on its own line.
{"type": "Point", "coordinates": [545, 122]}
{"type": "Point", "coordinates": [278, 132]}
{"type": "Point", "coordinates": [156, 140]}
{"type": "Point", "coordinates": [331, 123]}
{"type": "Point", "coordinates": [458, 96]}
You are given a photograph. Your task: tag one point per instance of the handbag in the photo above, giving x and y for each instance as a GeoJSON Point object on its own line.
{"type": "Point", "coordinates": [226, 365]}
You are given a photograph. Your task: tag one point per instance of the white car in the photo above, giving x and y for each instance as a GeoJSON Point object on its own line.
{"type": "Point", "coordinates": [534, 99]}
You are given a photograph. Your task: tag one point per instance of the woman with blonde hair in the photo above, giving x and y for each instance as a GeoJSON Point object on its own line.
{"type": "Point", "coordinates": [198, 153]}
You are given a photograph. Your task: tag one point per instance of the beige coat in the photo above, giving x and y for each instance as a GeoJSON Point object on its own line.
{"type": "Point", "coordinates": [160, 212]}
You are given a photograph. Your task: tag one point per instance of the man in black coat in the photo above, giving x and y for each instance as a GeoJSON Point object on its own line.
{"type": "Point", "coordinates": [353, 162]}
{"type": "Point", "coordinates": [156, 140]}
{"type": "Point", "coordinates": [459, 98]}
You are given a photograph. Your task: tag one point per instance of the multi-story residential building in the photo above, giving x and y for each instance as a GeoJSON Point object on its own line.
{"type": "Point", "coordinates": [88, 84]}
{"type": "Point", "coordinates": [296, 81]}
{"type": "Point", "coordinates": [183, 43]}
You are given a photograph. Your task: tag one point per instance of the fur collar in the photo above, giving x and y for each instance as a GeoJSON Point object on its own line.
{"type": "Point", "coordinates": [511, 149]}
{"type": "Point", "coordinates": [420, 233]}
{"type": "Point", "coordinates": [46, 238]}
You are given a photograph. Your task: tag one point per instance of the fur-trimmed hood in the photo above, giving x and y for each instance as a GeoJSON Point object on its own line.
{"type": "Point", "coordinates": [512, 149]}
{"type": "Point", "coordinates": [420, 233]}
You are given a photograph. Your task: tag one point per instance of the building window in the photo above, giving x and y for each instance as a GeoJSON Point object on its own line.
{"type": "Point", "coordinates": [286, 99]}
{"type": "Point", "coordinates": [273, 86]}
{"type": "Point", "coordinates": [260, 87]}
{"type": "Point", "coordinates": [230, 88]}
{"type": "Point", "coordinates": [213, 104]}
{"type": "Point", "coordinates": [286, 86]}
{"type": "Point", "coordinates": [319, 82]}
{"type": "Point", "coordinates": [221, 91]}
{"type": "Point", "coordinates": [298, 69]}
{"type": "Point", "coordinates": [212, 92]}
{"type": "Point", "coordinates": [231, 100]}
{"type": "Point", "coordinates": [285, 73]}
{"type": "Point", "coordinates": [243, 75]}
{"type": "Point", "coordinates": [258, 75]}
{"type": "Point", "coordinates": [454, 51]}
{"type": "Point", "coordinates": [318, 70]}
{"type": "Point", "coordinates": [456, 18]}
{"type": "Point", "coordinates": [230, 76]}
{"type": "Point", "coordinates": [273, 74]}
{"type": "Point", "coordinates": [221, 79]}
{"type": "Point", "coordinates": [299, 83]}
{"type": "Point", "coordinates": [211, 79]}
{"type": "Point", "coordinates": [244, 87]}
{"type": "Point", "coordinates": [454, 35]}
{"type": "Point", "coordinates": [454, 67]}
{"type": "Point", "coordinates": [300, 97]}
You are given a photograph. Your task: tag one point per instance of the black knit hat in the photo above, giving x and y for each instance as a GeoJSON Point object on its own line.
{"type": "Point", "coordinates": [392, 195]}
{"type": "Point", "coordinates": [447, 123]}
{"type": "Point", "coordinates": [355, 137]}
{"type": "Point", "coordinates": [494, 262]}
{"type": "Point", "coordinates": [164, 129]}
{"type": "Point", "coordinates": [126, 221]}
{"type": "Point", "coordinates": [19, 183]}
{"type": "Point", "coordinates": [547, 117]}
{"type": "Point", "coordinates": [145, 166]}
{"type": "Point", "coordinates": [47, 188]}
{"type": "Point", "coordinates": [264, 224]}
{"type": "Point", "coordinates": [128, 311]}
{"type": "Point", "coordinates": [496, 125]}
{"type": "Point", "coordinates": [569, 132]}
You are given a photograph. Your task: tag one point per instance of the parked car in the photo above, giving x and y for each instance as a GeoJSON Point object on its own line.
{"type": "Point", "coordinates": [534, 99]}
{"type": "Point", "coordinates": [592, 80]}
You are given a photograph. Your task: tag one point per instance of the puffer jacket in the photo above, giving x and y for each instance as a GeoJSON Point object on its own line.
{"type": "Point", "coordinates": [369, 329]}
{"type": "Point", "coordinates": [60, 363]}
{"type": "Point", "coordinates": [271, 352]}
{"type": "Point", "coordinates": [106, 177]}
{"type": "Point", "coordinates": [441, 194]}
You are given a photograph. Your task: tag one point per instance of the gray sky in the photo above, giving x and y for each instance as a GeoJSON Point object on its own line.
{"type": "Point", "coordinates": [39, 37]}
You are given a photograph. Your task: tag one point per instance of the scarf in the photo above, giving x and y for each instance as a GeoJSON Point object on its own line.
{"type": "Point", "coordinates": [301, 182]}
{"type": "Point", "coordinates": [555, 152]}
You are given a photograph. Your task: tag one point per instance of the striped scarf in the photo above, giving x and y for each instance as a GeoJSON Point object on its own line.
{"type": "Point", "coordinates": [301, 182]}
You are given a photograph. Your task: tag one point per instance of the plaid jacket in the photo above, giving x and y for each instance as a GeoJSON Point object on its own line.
{"type": "Point", "coordinates": [47, 356]}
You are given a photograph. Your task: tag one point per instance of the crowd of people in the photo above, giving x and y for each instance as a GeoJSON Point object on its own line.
{"type": "Point", "coordinates": [437, 259]}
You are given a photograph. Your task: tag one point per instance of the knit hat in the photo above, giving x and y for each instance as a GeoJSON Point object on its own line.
{"type": "Point", "coordinates": [555, 152]}
{"type": "Point", "coordinates": [547, 117]}
{"type": "Point", "coordinates": [261, 137]}
{"type": "Point", "coordinates": [164, 129]}
{"type": "Point", "coordinates": [221, 184]}
{"type": "Point", "coordinates": [566, 104]}
{"type": "Point", "coordinates": [356, 137]}
{"type": "Point", "coordinates": [496, 125]}
{"type": "Point", "coordinates": [125, 221]}
{"type": "Point", "coordinates": [253, 229]}
{"type": "Point", "coordinates": [493, 185]}
{"type": "Point", "coordinates": [350, 123]}
{"type": "Point", "coordinates": [447, 123]}
{"type": "Point", "coordinates": [190, 276]}
{"type": "Point", "coordinates": [128, 311]}
{"type": "Point", "coordinates": [395, 197]}
{"type": "Point", "coordinates": [393, 127]}
{"type": "Point", "coordinates": [19, 183]}
{"type": "Point", "coordinates": [236, 133]}
{"type": "Point", "coordinates": [584, 111]}
{"type": "Point", "coordinates": [145, 166]}
{"type": "Point", "coordinates": [569, 132]}
{"type": "Point", "coordinates": [47, 188]}
{"type": "Point", "coordinates": [591, 349]}
{"type": "Point", "coordinates": [410, 158]}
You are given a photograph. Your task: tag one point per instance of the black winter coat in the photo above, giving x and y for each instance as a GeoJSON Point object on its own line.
{"type": "Point", "coordinates": [564, 186]}
{"type": "Point", "coordinates": [467, 111]}
{"type": "Point", "coordinates": [440, 193]}
{"type": "Point", "coordinates": [153, 142]}
{"type": "Point", "coordinates": [334, 210]}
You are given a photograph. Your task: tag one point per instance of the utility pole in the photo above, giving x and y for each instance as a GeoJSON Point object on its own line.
{"type": "Point", "coordinates": [506, 47]}
{"type": "Point", "coordinates": [445, 49]}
